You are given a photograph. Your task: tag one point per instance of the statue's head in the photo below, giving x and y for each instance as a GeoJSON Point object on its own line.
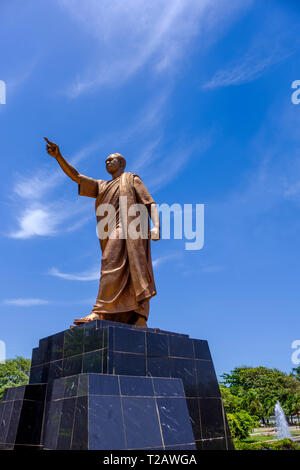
{"type": "Point", "coordinates": [115, 162]}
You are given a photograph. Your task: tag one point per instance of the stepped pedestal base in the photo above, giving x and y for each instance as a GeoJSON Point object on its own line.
{"type": "Point", "coordinates": [107, 385]}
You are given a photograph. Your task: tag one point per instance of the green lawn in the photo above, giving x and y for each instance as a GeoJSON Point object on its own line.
{"type": "Point", "coordinates": [259, 438]}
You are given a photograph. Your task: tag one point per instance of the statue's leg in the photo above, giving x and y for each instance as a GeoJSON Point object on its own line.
{"type": "Point", "coordinates": [121, 317]}
{"type": "Point", "coordinates": [130, 318]}
{"type": "Point", "coordinates": [139, 320]}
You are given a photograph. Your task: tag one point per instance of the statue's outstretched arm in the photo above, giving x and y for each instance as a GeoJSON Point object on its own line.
{"type": "Point", "coordinates": [69, 170]}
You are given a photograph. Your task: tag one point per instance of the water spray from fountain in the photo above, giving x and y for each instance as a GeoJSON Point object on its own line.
{"type": "Point", "coordinates": [282, 427]}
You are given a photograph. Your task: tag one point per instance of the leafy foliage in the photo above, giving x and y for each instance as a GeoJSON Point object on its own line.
{"type": "Point", "coordinates": [284, 444]}
{"type": "Point", "coordinates": [232, 403]}
{"type": "Point", "coordinates": [14, 372]}
{"type": "Point", "coordinates": [259, 388]}
{"type": "Point", "coordinates": [241, 424]}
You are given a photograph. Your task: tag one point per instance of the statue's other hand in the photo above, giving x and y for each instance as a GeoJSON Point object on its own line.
{"type": "Point", "coordinates": [154, 234]}
{"type": "Point", "coordinates": [52, 148]}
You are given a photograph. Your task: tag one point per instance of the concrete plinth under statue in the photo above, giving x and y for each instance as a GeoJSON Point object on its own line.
{"type": "Point", "coordinates": [107, 385]}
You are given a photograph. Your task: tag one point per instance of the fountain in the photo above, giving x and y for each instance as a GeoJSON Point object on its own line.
{"type": "Point", "coordinates": [282, 427]}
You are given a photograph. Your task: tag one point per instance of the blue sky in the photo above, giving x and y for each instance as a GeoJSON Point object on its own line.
{"type": "Point", "coordinates": [197, 97]}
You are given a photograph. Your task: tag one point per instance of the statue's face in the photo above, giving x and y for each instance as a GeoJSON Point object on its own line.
{"type": "Point", "coordinates": [113, 163]}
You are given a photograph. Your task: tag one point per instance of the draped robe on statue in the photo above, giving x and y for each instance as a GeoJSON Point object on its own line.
{"type": "Point", "coordinates": [126, 281]}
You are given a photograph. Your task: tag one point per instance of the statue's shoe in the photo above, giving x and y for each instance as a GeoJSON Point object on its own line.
{"type": "Point", "coordinates": [88, 318]}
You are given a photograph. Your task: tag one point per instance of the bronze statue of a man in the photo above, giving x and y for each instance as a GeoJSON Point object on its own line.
{"type": "Point", "coordinates": [126, 281]}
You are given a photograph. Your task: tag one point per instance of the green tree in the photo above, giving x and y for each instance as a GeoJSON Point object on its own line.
{"type": "Point", "coordinates": [231, 402]}
{"type": "Point", "coordinates": [251, 401]}
{"type": "Point", "coordinates": [259, 388]}
{"type": "Point", "coordinates": [14, 372]}
{"type": "Point", "coordinates": [241, 424]}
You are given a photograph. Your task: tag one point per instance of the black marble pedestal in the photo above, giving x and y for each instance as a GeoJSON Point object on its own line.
{"type": "Point", "coordinates": [108, 385]}
{"type": "Point", "coordinates": [117, 412]}
{"type": "Point", "coordinates": [21, 416]}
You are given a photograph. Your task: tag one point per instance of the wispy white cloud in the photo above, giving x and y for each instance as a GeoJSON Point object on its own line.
{"type": "Point", "coordinates": [94, 273]}
{"type": "Point", "coordinates": [25, 302]}
{"type": "Point", "coordinates": [147, 121]}
{"type": "Point", "coordinates": [35, 221]}
{"type": "Point", "coordinates": [42, 181]}
{"type": "Point", "coordinates": [162, 259]}
{"type": "Point", "coordinates": [249, 68]}
{"type": "Point", "coordinates": [260, 57]}
{"type": "Point", "coordinates": [132, 35]}
{"type": "Point", "coordinates": [142, 28]}
{"type": "Point", "coordinates": [169, 167]}
{"type": "Point", "coordinates": [48, 219]}
{"type": "Point", "coordinates": [90, 275]}
{"type": "Point", "coordinates": [17, 80]}
{"type": "Point", "coordinates": [148, 156]}
{"type": "Point", "coordinates": [38, 184]}
{"type": "Point", "coordinates": [273, 183]}
{"type": "Point", "coordinates": [251, 226]}
{"type": "Point", "coordinates": [77, 225]}
{"type": "Point", "coordinates": [87, 150]}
